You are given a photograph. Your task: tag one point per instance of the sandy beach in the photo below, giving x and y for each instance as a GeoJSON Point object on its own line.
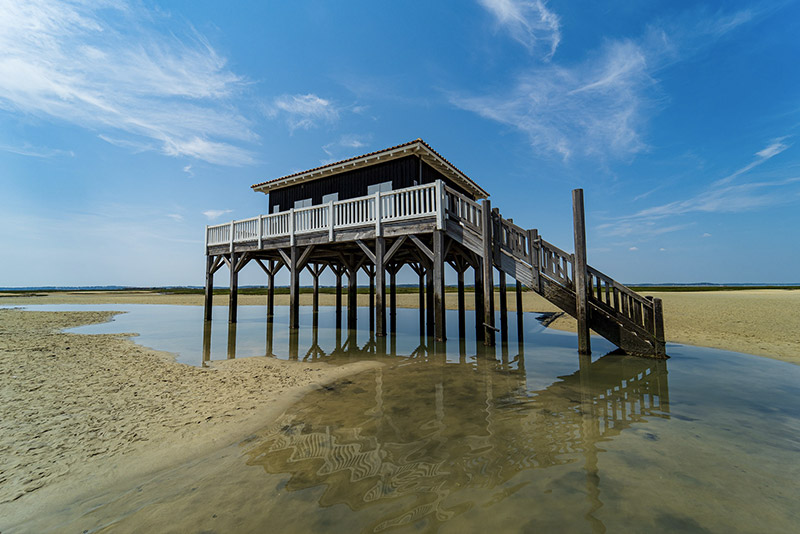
{"type": "Point", "coordinates": [78, 413]}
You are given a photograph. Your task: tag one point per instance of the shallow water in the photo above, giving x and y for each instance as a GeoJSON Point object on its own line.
{"type": "Point", "coordinates": [527, 436]}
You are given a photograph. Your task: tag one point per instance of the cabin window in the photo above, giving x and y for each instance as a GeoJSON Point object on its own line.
{"type": "Point", "coordinates": [333, 197]}
{"type": "Point", "coordinates": [382, 187]}
{"type": "Point", "coordinates": [305, 203]}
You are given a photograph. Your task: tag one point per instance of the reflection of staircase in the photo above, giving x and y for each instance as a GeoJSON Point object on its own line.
{"type": "Point", "coordinates": [632, 322]}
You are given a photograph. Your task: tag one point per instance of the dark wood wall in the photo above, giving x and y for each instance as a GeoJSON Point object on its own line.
{"type": "Point", "coordinates": [403, 172]}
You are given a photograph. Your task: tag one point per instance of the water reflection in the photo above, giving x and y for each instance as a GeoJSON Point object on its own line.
{"type": "Point", "coordinates": [424, 441]}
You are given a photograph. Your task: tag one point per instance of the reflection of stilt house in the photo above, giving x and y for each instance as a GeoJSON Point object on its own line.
{"type": "Point", "coordinates": [408, 206]}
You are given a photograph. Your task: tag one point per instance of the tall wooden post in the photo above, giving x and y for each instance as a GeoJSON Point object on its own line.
{"type": "Point", "coordinates": [581, 293]}
{"type": "Point", "coordinates": [271, 291]}
{"type": "Point", "coordinates": [339, 270]}
{"type": "Point", "coordinates": [438, 286]}
{"type": "Point", "coordinates": [294, 289]}
{"type": "Point", "coordinates": [479, 308]}
{"type": "Point", "coordinates": [315, 297]}
{"type": "Point", "coordinates": [371, 276]}
{"type": "Point", "coordinates": [393, 299]}
{"type": "Point", "coordinates": [658, 320]}
{"type": "Point", "coordinates": [462, 328]}
{"type": "Point", "coordinates": [352, 296]}
{"type": "Point", "coordinates": [429, 301]}
{"type": "Point", "coordinates": [421, 274]}
{"type": "Point", "coordinates": [234, 296]}
{"type": "Point", "coordinates": [380, 281]}
{"type": "Point", "coordinates": [488, 272]}
{"type": "Point", "coordinates": [208, 300]}
{"type": "Point", "coordinates": [520, 322]}
{"type": "Point", "coordinates": [503, 307]}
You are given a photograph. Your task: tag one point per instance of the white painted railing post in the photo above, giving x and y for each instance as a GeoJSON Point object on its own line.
{"type": "Point", "coordinates": [260, 231]}
{"type": "Point", "coordinates": [330, 220]}
{"type": "Point", "coordinates": [378, 214]}
{"type": "Point", "coordinates": [231, 236]}
{"type": "Point", "coordinates": [440, 205]}
{"type": "Point", "coordinates": [291, 226]}
{"type": "Point", "coordinates": [206, 244]}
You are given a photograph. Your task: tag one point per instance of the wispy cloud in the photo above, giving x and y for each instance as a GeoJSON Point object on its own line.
{"type": "Point", "coordinates": [175, 217]}
{"type": "Point", "coordinates": [215, 214]}
{"type": "Point", "coordinates": [302, 111]}
{"type": "Point", "coordinates": [188, 170]}
{"type": "Point", "coordinates": [110, 67]}
{"type": "Point", "coordinates": [529, 22]}
{"type": "Point", "coordinates": [345, 142]}
{"type": "Point", "coordinates": [720, 197]}
{"type": "Point", "coordinates": [596, 107]}
{"type": "Point", "coordinates": [770, 151]}
{"type": "Point", "coordinates": [36, 152]}
{"type": "Point", "coordinates": [599, 106]}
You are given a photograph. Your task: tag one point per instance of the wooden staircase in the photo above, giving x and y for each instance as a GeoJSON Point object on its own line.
{"type": "Point", "coordinates": [632, 322]}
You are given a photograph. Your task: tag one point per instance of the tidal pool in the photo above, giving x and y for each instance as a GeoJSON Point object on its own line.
{"type": "Point", "coordinates": [528, 436]}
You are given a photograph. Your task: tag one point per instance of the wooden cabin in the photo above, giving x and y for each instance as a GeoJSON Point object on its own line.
{"type": "Point", "coordinates": [409, 206]}
{"type": "Point", "coordinates": [402, 166]}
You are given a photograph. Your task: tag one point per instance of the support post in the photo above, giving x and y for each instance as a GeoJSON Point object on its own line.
{"type": "Point", "coordinates": [430, 311]}
{"type": "Point", "coordinates": [271, 291]}
{"type": "Point", "coordinates": [438, 286]}
{"type": "Point", "coordinates": [315, 296]}
{"type": "Point", "coordinates": [421, 274]}
{"type": "Point", "coordinates": [393, 299]}
{"type": "Point", "coordinates": [234, 296]}
{"type": "Point", "coordinates": [380, 281]}
{"type": "Point", "coordinates": [503, 307]}
{"type": "Point", "coordinates": [479, 308]}
{"type": "Point", "coordinates": [339, 272]}
{"type": "Point", "coordinates": [487, 226]}
{"type": "Point", "coordinates": [371, 275]}
{"type": "Point", "coordinates": [520, 322]}
{"type": "Point", "coordinates": [658, 324]}
{"type": "Point", "coordinates": [294, 289]}
{"type": "Point", "coordinates": [462, 328]}
{"type": "Point", "coordinates": [208, 301]}
{"type": "Point", "coordinates": [581, 293]}
{"type": "Point", "coordinates": [352, 297]}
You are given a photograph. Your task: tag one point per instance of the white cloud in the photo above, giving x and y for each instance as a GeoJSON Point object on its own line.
{"type": "Point", "coordinates": [596, 107]}
{"type": "Point", "coordinates": [634, 248]}
{"type": "Point", "coordinates": [706, 234]}
{"type": "Point", "coordinates": [109, 67]}
{"type": "Point", "coordinates": [346, 142]}
{"type": "Point", "coordinates": [662, 249]}
{"type": "Point", "coordinates": [601, 104]}
{"type": "Point", "coordinates": [188, 170]}
{"type": "Point", "coordinates": [175, 217]}
{"type": "Point", "coordinates": [770, 151]}
{"type": "Point", "coordinates": [302, 111]}
{"type": "Point", "coordinates": [215, 214]}
{"type": "Point", "coordinates": [37, 152]}
{"type": "Point", "coordinates": [529, 22]}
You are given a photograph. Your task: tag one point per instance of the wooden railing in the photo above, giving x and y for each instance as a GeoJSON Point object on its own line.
{"type": "Point", "coordinates": [512, 239]}
{"type": "Point", "coordinates": [608, 293]}
{"type": "Point", "coordinates": [408, 203]}
{"type": "Point", "coordinates": [556, 263]}
{"type": "Point", "coordinates": [463, 209]}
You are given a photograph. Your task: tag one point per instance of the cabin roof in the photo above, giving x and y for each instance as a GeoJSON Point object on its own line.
{"type": "Point", "coordinates": [415, 147]}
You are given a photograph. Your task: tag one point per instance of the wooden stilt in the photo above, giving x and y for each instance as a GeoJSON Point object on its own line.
{"type": "Point", "coordinates": [234, 295]}
{"type": "Point", "coordinates": [371, 275]}
{"type": "Point", "coordinates": [315, 297]}
{"type": "Point", "coordinates": [430, 311]}
{"type": "Point", "coordinates": [294, 288]}
{"type": "Point", "coordinates": [380, 281]}
{"type": "Point", "coordinates": [352, 296]}
{"type": "Point", "coordinates": [338, 272]}
{"type": "Point", "coordinates": [487, 225]}
{"type": "Point", "coordinates": [581, 293]}
{"type": "Point", "coordinates": [421, 273]}
{"type": "Point", "coordinates": [520, 324]}
{"type": "Point", "coordinates": [480, 331]}
{"type": "Point", "coordinates": [208, 300]}
{"type": "Point", "coordinates": [503, 307]}
{"type": "Point", "coordinates": [438, 286]}
{"type": "Point", "coordinates": [271, 291]}
{"type": "Point", "coordinates": [462, 328]}
{"type": "Point", "coordinates": [393, 299]}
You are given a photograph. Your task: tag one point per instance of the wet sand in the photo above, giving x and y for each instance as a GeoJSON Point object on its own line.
{"type": "Point", "coordinates": [79, 413]}
{"type": "Point", "coordinates": [764, 322]}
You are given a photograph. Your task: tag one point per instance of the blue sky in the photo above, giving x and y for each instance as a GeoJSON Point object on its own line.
{"type": "Point", "coordinates": [126, 127]}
